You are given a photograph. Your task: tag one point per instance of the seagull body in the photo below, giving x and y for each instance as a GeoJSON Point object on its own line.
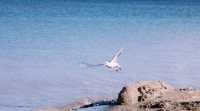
{"type": "Point", "coordinates": [112, 64]}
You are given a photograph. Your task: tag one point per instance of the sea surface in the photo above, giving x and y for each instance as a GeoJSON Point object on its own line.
{"type": "Point", "coordinates": [44, 42]}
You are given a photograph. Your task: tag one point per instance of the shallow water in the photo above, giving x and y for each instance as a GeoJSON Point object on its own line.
{"type": "Point", "coordinates": [42, 44]}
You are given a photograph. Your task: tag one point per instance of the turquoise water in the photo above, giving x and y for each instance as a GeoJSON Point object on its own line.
{"type": "Point", "coordinates": [42, 44]}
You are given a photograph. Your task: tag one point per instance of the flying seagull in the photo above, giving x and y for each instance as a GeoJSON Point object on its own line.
{"type": "Point", "coordinates": [112, 64]}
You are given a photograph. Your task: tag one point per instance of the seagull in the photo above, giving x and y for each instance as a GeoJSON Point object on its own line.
{"type": "Point", "coordinates": [112, 64]}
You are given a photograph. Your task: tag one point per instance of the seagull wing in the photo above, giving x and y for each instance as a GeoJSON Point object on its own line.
{"type": "Point", "coordinates": [91, 65]}
{"type": "Point", "coordinates": [119, 52]}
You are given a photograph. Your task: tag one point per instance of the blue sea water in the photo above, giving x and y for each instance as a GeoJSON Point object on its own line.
{"type": "Point", "coordinates": [42, 44]}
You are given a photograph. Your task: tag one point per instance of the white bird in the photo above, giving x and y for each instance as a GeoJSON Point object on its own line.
{"type": "Point", "coordinates": [112, 64]}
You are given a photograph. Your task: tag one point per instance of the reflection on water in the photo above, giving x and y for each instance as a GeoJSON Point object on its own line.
{"type": "Point", "coordinates": [42, 44]}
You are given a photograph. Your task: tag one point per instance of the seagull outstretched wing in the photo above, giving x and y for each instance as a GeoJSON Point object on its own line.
{"type": "Point", "coordinates": [119, 52]}
{"type": "Point", "coordinates": [91, 65]}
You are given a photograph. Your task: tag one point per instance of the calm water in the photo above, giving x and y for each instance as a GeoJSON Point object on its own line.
{"type": "Point", "coordinates": [43, 42]}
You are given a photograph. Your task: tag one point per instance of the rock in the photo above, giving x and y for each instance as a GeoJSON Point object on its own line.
{"type": "Point", "coordinates": [128, 95]}
{"type": "Point", "coordinates": [122, 108]}
{"type": "Point", "coordinates": [142, 91]}
{"type": "Point", "coordinates": [157, 95]}
{"type": "Point", "coordinates": [143, 96]}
